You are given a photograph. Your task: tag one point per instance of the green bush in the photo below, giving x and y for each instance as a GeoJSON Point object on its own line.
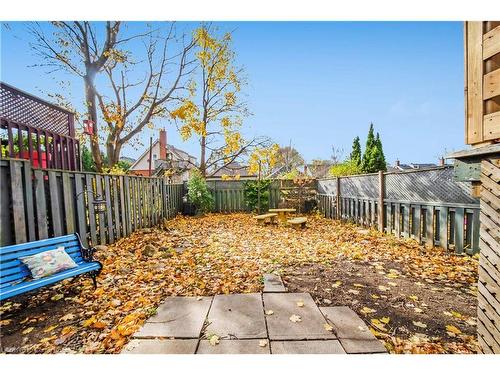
{"type": "Point", "coordinates": [346, 168]}
{"type": "Point", "coordinates": [198, 193]}
{"type": "Point", "coordinates": [251, 193]}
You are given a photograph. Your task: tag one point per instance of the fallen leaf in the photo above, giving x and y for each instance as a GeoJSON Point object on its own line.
{"type": "Point", "coordinates": [471, 321]}
{"type": "Point", "coordinates": [67, 317]}
{"type": "Point", "coordinates": [353, 291]}
{"type": "Point", "coordinates": [366, 310]}
{"type": "Point", "coordinates": [27, 330]}
{"type": "Point", "coordinates": [328, 327]}
{"type": "Point", "coordinates": [418, 310]}
{"type": "Point", "coordinates": [99, 325]}
{"type": "Point", "coordinates": [5, 322]}
{"type": "Point", "coordinates": [263, 343]}
{"type": "Point", "coordinates": [453, 329]}
{"type": "Point", "coordinates": [295, 318]}
{"type": "Point", "coordinates": [383, 288]}
{"type": "Point", "coordinates": [47, 339]}
{"type": "Point", "coordinates": [213, 340]}
{"type": "Point", "coordinates": [300, 303]}
{"type": "Point", "coordinates": [51, 328]}
{"type": "Point", "coordinates": [419, 324]}
{"type": "Point", "coordinates": [89, 322]}
{"type": "Point", "coordinates": [57, 297]}
{"type": "Point", "coordinates": [385, 319]}
{"type": "Point", "coordinates": [378, 324]}
{"type": "Point", "coordinates": [269, 312]}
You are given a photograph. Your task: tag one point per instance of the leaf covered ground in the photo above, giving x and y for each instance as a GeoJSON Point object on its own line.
{"type": "Point", "coordinates": [415, 300]}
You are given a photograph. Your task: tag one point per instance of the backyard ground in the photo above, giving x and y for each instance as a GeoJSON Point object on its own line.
{"type": "Point", "coordinates": [415, 300]}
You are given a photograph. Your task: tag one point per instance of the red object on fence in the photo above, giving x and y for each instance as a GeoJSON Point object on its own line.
{"type": "Point", "coordinates": [88, 127]}
{"type": "Point", "coordinates": [34, 161]}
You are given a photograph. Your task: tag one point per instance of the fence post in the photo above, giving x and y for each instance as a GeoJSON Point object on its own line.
{"type": "Point", "coordinates": [337, 203]}
{"type": "Point", "coordinates": [381, 195]}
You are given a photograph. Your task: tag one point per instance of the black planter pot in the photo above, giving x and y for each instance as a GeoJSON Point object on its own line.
{"type": "Point", "coordinates": [188, 209]}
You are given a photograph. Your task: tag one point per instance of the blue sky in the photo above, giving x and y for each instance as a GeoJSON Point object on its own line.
{"type": "Point", "coordinates": [319, 84]}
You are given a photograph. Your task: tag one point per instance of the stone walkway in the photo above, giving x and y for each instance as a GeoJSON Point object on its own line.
{"type": "Point", "coordinates": [272, 322]}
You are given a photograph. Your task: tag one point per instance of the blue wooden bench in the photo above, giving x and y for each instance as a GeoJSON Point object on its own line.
{"type": "Point", "coordinates": [15, 276]}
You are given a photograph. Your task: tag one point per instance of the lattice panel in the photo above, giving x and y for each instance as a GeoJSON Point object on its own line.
{"type": "Point", "coordinates": [488, 313]}
{"type": "Point", "coordinates": [23, 108]}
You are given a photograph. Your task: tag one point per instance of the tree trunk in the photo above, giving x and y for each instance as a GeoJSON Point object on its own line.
{"type": "Point", "coordinates": [203, 167]}
{"type": "Point", "coordinates": [90, 98]}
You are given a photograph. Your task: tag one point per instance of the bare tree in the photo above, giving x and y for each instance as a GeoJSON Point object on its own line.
{"type": "Point", "coordinates": [86, 49]}
{"type": "Point", "coordinates": [76, 48]}
{"type": "Point", "coordinates": [165, 78]}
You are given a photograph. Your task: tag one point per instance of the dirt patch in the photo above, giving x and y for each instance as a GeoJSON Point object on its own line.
{"type": "Point", "coordinates": [374, 292]}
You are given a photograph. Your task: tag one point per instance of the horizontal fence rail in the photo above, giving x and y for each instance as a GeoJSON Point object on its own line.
{"type": "Point", "coordinates": [427, 205]}
{"type": "Point", "coordinates": [44, 203]}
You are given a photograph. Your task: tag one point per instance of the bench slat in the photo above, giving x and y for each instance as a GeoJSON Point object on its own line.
{"type": "Point", "coordinates": [27, 252]}
{"type": "Point", "coordinates": [37, 244]}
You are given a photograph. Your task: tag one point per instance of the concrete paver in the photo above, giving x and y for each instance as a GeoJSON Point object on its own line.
{"type": "Point", "coordinates": [307, 347]}
{"type": "Point", "coordinates": [352, 332]}
{"type": "Point", "coordinates": [233, 347]}
{"type": "Point", "coordinates": [295, 326]}
{"type": "Point", "coordinates": [284, 305]}
{"type": "Point", "coordinates": [273, 284]}
{"type": "Point", "coordinates": [238, 316]}
{"type": "Point", "coordinates": [157, 346]}
{"type": "Point", "coordinates": [179, 317]}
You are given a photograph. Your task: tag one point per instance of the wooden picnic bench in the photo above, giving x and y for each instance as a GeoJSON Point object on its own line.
{"type": "Point", "coordinates": [298, 221]}
{"type": "Point", "coordinates": [16, 277]}
{"type": "Point", "coordinates": [262, 219]}
{"type": "Point", "coordinates": [282, 213]}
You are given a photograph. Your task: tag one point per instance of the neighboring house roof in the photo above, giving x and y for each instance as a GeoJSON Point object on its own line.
{"type": "Point", "coordinates": [177, 153]}
{"type": "Point", "coordinates": [233, 169]}
{"type": "Point", "coordinates": [411, 166]}
{"type": "Point", "coordinates": [319, 170]}
{"type": "Point", "coordinates": [127, 159]}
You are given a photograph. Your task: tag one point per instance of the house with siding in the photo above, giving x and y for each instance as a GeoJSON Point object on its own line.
{"type": "Point", "coordinates": [165, 158]}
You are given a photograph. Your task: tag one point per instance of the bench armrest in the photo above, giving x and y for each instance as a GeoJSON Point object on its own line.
{"type": "Point", "coordinates": [88, 253]}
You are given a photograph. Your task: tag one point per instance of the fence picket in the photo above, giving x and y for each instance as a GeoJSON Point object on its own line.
{"type": "Point", "coordinates": [28, 194]}
{"type": "Point", "coordinates": [17, 201]}
{"type": "Point", "coordinates": [80, 209]}
{"type": "Point", "coordinates": [68, 197]}
{"type": "Point", "coordinates": [90, 204]}
{"type": "Point", "coordinates": [55, 205]}
{"type": "Point", "coordinates": [41, 205]}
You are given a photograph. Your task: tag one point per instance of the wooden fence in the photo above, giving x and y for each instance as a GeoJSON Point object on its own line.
{"type": "Point", "coordinates": [427, 205]}
{"type": "Point", "coordinates": [229, 195]}
{"type": "Point", "coordinates": [43, 203]}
